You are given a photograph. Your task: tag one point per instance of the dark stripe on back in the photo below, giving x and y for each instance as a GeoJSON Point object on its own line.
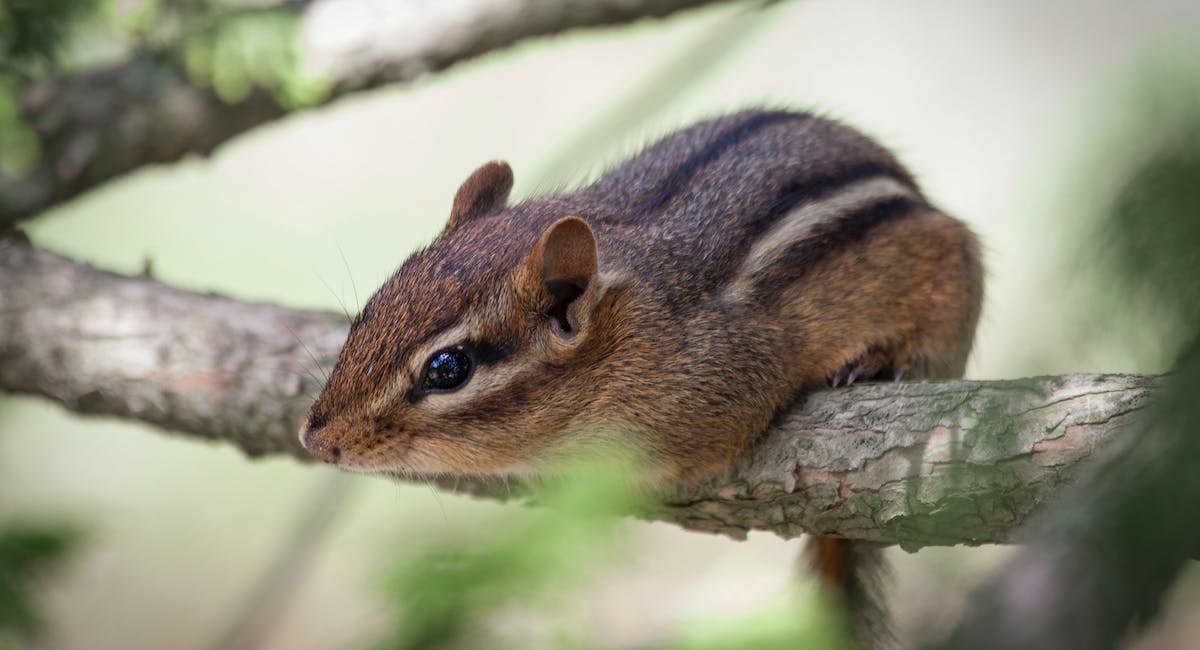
{"type": "Point", "coordinates": [830, 238]}
{"type": "Point", "coordinates": [679, 177]}
{"type": "Point", "coordinates": [818, 188]}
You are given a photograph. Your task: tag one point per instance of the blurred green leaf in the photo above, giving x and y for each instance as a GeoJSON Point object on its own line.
{"type": "Point", "coordinates": [1152, 233]}
{"type": "Point", "coordinates": [34, 30]}
{"type": "Point", "coordinates": [28, 552]}
{"type": "Point", "coordinates": [449, 591]}
{"type": "Point", "coordinates": [132, 16]}
{"type": "Point", "coordinates": [255, 48]}
{"type": "Point", "coordinates": [452, 593]}
{"type": "Point", "coordinates": [791, 620]}
{"type": "Point", "coordinates": [1127, 266]}
{"type": "Point", "coordinates": [19, 145]}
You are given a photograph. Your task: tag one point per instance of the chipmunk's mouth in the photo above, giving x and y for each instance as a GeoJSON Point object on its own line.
{"type": "Point", "coordinates": [357, 447]}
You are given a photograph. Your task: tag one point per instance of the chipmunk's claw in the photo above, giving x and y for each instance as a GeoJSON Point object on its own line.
{"type": "Point", "coordinates": [848, 374]}
{"type": "Point", "coordinates": [873, 365]}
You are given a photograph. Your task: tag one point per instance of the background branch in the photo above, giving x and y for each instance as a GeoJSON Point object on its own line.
{"type": "Point", "coordinates": [93, 126]}
{"type": "Point", "coordinates": [913, 463]}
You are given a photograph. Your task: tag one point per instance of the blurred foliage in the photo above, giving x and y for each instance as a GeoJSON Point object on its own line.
{"type": "Point", "coordinates": [1148, 251]}
{"type": "Point", "coordinates": [791, 620]}
{"type": "Point", "coordinates": [1127, 530]}
{"type": "Point", "coordinates": [1150, 238]}
{"type": "Point", "coordinates": [32, 34]}
{"type": "Point", "coordinates": [231, 47]}
{"type": "Point", "coordinates": [1137, 196]}
{"type": "Point", "coordinates": [448, 592]}
{"type": "Point", "coordinates": [134, 16]}
{"type": "Point", "coordinates": [1110, 549]}
{"type": "Point", "coordinates": [255, 48]}
{"type": "Point", "coordinates": [32, 31]}
{"type": "Point", "coordinates": [28, 552]}
{"type": "Point", "coordinates": [19, 145]}
{"type": "Point", "coordinates": [464, 593]}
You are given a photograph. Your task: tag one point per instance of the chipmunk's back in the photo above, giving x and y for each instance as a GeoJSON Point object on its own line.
{"type": "Point", "coordinates": [702, 196]}
{"type": "Point", "coordinates": [686, 211]}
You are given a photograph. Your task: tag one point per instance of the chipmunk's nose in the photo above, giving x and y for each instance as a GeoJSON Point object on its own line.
{"type": "Point", "coordinates": [319, 446]}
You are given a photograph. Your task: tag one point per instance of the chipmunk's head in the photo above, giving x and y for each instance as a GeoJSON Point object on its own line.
{"type": "Point", "coordinates": [465, 361]}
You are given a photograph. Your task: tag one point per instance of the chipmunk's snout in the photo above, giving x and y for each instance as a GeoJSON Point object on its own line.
{"type": "Point", "coordinates": [319, 446]}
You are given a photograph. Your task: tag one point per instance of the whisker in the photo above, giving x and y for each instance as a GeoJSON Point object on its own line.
{"type": "Point", "coordinates": [298, 373]}
{"type": "Point", "coordinates": [349, 319]}
{"type": "Point", "coordinates": [278, 367]}
{"type": "Point", "coordinates": [348, 273]}
{"type": "Point", "coordinates": [310, 354]}
{"type": "Point", "coordinates": [438, 498]}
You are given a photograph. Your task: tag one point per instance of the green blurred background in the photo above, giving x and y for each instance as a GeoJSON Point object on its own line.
{"type": "Point", "coordinates": [1023, 118]}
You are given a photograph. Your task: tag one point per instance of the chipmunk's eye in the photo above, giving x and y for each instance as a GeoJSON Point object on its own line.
{"type": "Point", "coordinates": [447, 369]}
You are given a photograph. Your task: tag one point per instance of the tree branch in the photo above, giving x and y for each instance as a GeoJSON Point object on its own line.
{"type": "Point", "coordinates": [201, 364]}
{"type": "Point", "coordinates": [1096, 565]}
{"type": "Point", "coordinates": [94, 126]}
{"type": "Point", "coordinates": [913, 463]}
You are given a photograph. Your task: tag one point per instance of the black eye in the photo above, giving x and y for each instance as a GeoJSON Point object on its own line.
{"type": "Point", "coordinates": [447, 369]}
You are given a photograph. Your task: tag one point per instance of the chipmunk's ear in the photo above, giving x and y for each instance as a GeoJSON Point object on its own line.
{"type": "Point", "coordinates": [485, 191]}
{"type": "Point", "coordinates": [565, 258]}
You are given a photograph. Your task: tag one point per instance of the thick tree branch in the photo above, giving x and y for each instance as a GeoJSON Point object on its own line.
{"type": "Point", "coordinates": [102, 343]}
{"type": "Point", "coordinates": [919, 463]}
{"type": "Point", "coordinates": [97, 125]}
{"type": "Point", "coordinates": [914, 463]}
{"type": "Point", "coordinates": [1097, 564]}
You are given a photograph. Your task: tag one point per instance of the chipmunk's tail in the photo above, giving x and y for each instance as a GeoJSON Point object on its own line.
{"type": "Point", "coordinates": [854, 572]}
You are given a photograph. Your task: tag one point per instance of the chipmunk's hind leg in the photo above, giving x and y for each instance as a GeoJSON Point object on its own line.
{"type": "Point", "coordinates": [935, 292]}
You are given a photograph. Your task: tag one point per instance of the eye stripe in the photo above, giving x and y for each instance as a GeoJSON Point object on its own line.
{"type": "Point", "coordinates": [490, 354]}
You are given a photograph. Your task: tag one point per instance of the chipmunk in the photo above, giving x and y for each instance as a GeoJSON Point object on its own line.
{"type": "Point", "coordinates": [676, 305]}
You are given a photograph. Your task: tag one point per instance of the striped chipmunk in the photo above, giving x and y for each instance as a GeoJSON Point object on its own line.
{"type": "Point", "coordinates": [676, 305]}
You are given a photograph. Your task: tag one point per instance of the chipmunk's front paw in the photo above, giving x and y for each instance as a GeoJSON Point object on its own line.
{"type": "Point", "coordinates": [874, 365]}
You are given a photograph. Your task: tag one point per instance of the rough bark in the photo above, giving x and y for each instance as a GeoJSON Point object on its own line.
{"type": "Point", "coordinates": [1097, 565]}
{"type": "Point", "coordinates": [913, 463]}
{"type": "Point", "coordinates": [919, 463]}
{"type": "Point", "coordinates": [96, 125]}
{"type": "Point", "coordinates": [202, 364]}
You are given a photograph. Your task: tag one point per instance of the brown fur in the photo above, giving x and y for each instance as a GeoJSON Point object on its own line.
{"type": "Point", "coordinates": [832, 558]}
{"type": "Point", "coordinates": [625, 323]}
{"type": "Point", "coordinates": [674, 306]}
{"type": "Point", "coordinates": [485, 191]}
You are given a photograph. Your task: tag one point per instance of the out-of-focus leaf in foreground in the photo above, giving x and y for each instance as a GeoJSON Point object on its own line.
{"type": "Point", "coordinates": [450, 593]}
{"type": "Point", "coordinates": [28, 552]}
{"type": "Point", "coordinates": [512, 585]}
